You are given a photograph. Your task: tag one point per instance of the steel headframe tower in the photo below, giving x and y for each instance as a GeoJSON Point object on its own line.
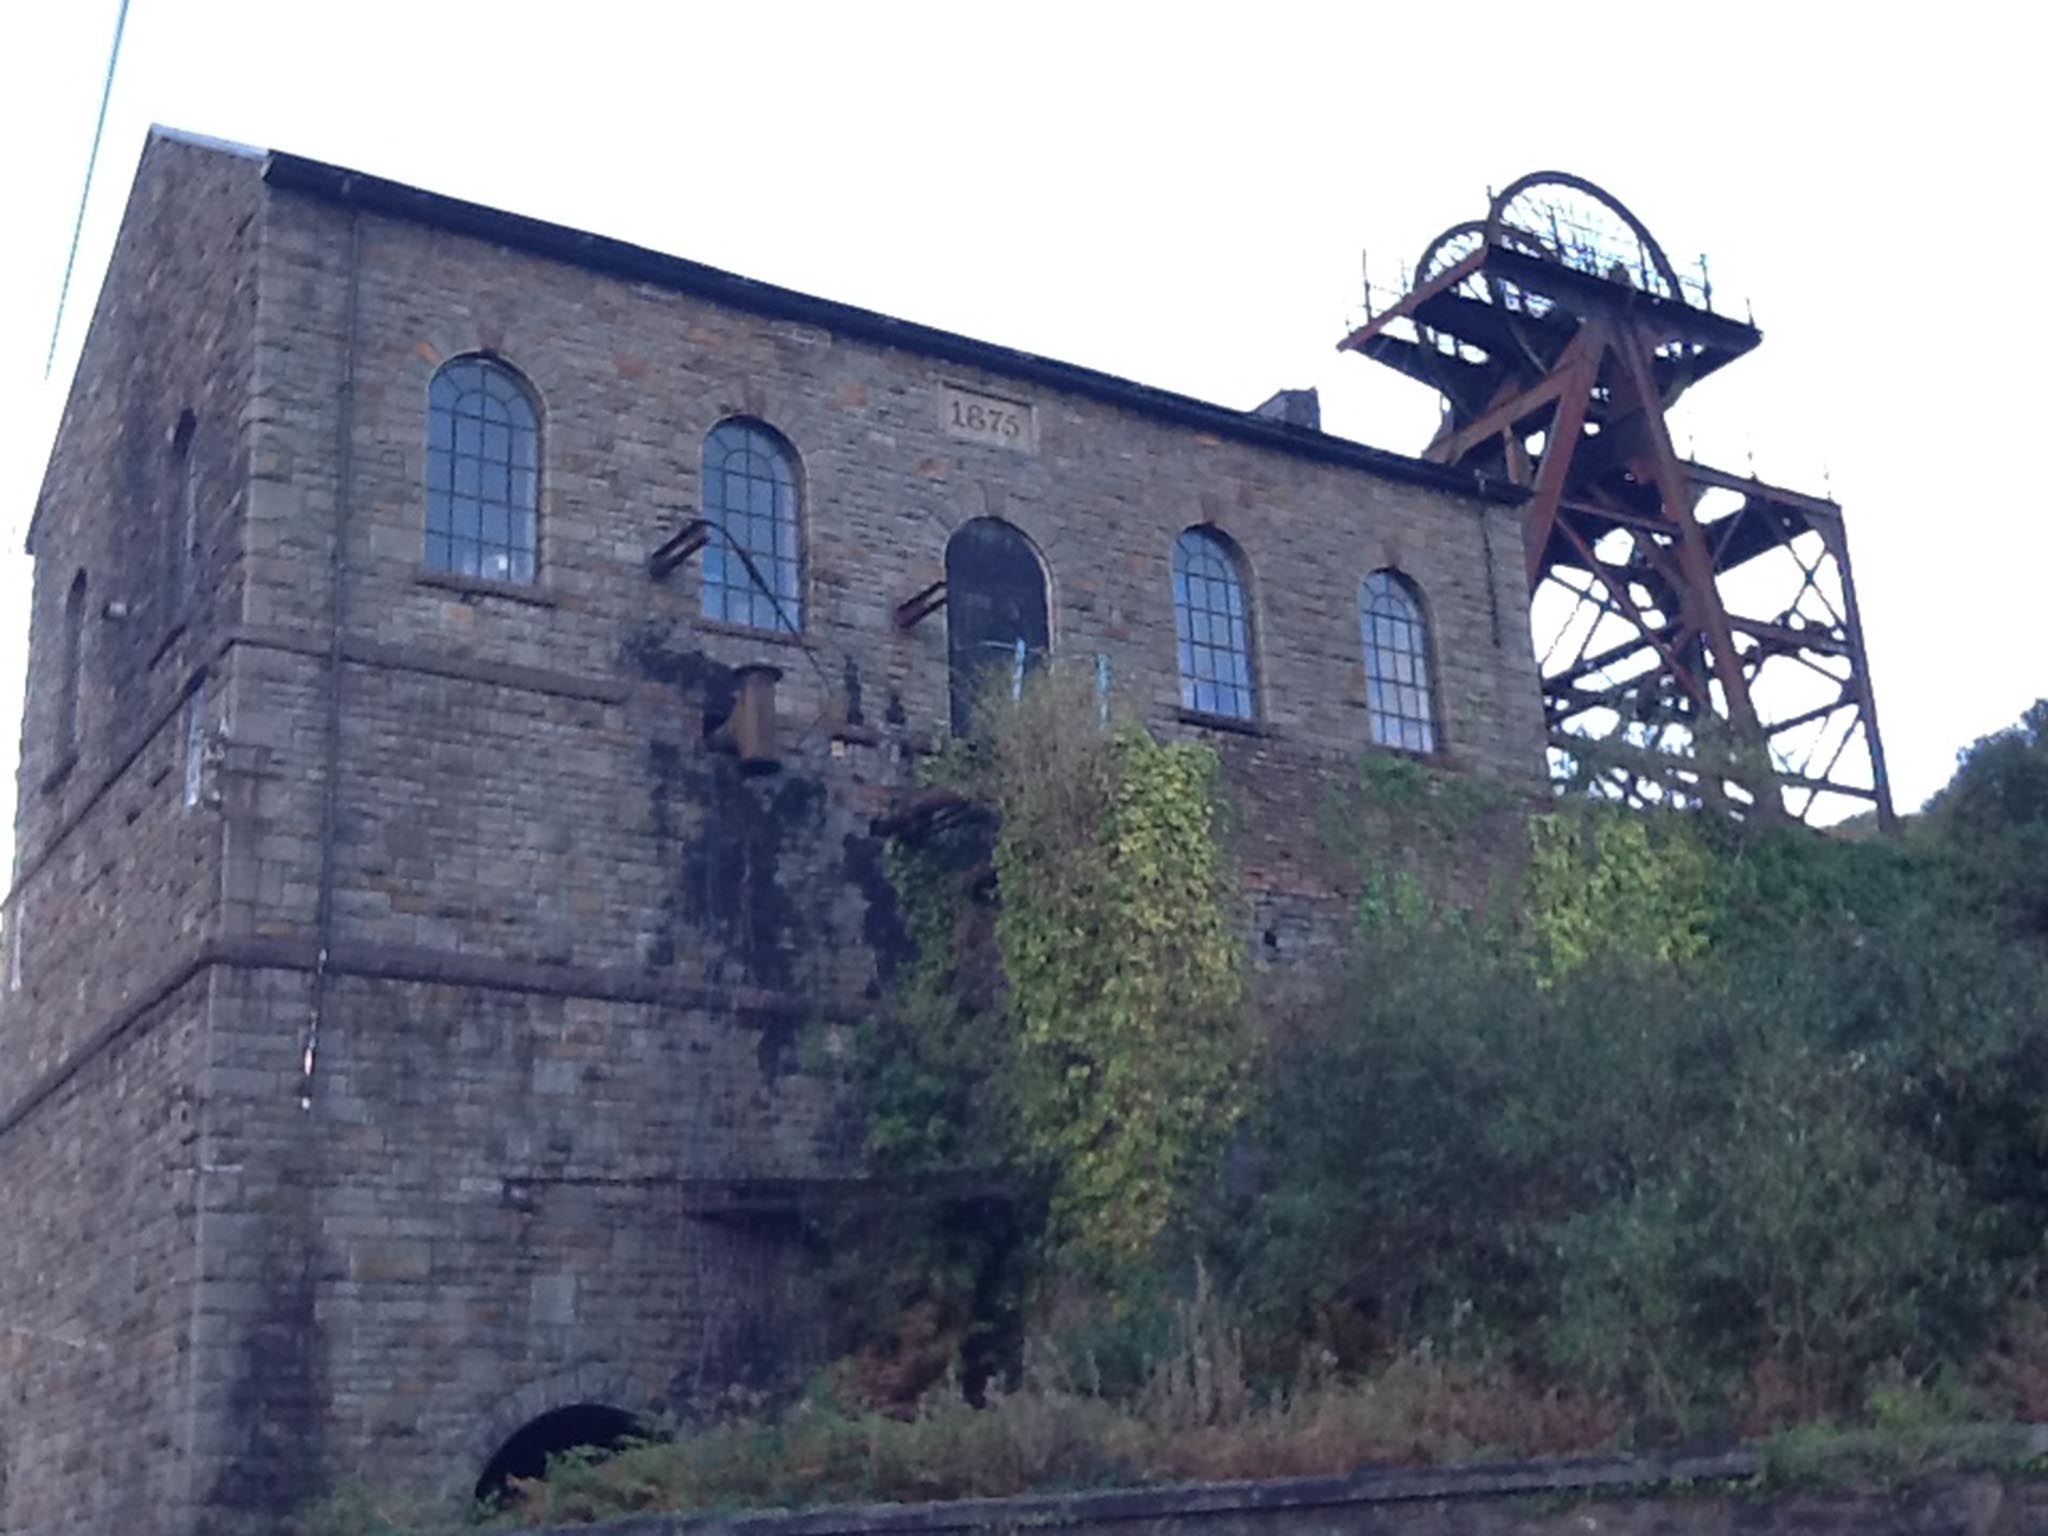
{"type": "Point", "coordinates": [1697, 630]}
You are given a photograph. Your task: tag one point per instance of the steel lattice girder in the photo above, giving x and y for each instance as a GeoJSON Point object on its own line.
{"type": "Point", "coordinates": [1557, 366]}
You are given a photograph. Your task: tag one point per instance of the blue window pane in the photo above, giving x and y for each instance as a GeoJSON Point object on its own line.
{"type": "Point", "coordinates": [1211, 626]}
{"type": "Point", "coordinates": [482, 472]}
{"type": "Point", "coordinates": [1396, 645]}
{"type": "Point", "coordinates": [752, 568]}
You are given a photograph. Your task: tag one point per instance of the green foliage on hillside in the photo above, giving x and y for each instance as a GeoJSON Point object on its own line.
{"type": "Point", "coordinates": [1727, 1119]}
{"type": "Point", "coordinates": [1737, 1119]}
{"type": "Point", "coordinates": [1700, 1127]}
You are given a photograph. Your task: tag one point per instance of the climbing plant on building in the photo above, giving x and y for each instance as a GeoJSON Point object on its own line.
{"type": "Point", "coordinates": [1115, 1072]}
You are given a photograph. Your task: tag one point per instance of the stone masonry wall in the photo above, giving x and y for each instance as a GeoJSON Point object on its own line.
{"type": "Point", "coordinates": [630, 378]}
{"type": "Point", "coordinates": [116, 878]}
{"type": "Point", "coordinates": [564, 1112]}
{"type": "Point", "coordinates": [97, 1196]}
{"type": "Point", "coordinates": [102, 834]}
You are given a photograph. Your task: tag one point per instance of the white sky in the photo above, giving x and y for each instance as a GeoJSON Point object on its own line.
{"type": "Point", "coordinates": [1179, 193]}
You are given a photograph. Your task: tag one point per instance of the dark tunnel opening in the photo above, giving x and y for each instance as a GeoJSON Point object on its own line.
{"type": "Point", "coordinates": [592, 1426]}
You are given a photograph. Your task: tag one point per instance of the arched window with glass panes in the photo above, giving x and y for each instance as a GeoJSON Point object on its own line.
{"type": "Point", "coordinates": [753, 560]}
{"type": "Point", "coordinates": [1212, 623]}
{"type": "Point", "coordinates": [483, 472]}
{"type": "Point", "coordinates": [1397, 680]}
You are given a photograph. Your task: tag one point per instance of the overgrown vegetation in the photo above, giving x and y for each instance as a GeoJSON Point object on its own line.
{"type": "Point", "coordinates": [1730, 1121]}
{"type": "Point", "coordinates": [1695, 1128]}
{"type": "Point", "coordinates": [1082, 1032]}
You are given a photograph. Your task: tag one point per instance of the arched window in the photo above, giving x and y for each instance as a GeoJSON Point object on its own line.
{"type": "Point", "coordinates": [753, 567]}
{"type": "Point", "coordinates": [1396, 663]}
{"type": "Point", "coordinates": [1213, 622]}
{"type": "Point", "coordinates": [995, 609]}
{"type": "Point", "coordinates": [72, 684]}
{"type": "Point", "coordinates": [483, 471]}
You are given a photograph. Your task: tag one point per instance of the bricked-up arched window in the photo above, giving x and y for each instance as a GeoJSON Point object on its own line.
{"type": "Point", "coordinates": [753, 565]}
{"type": "Point", "coordinates": [483, 471]}
{"type": "Point", "coordinates": [182, 526]}
{"type": "Point", "coordinates": [1397, 691]}
{"type": "Point", "coordinates": [71, 686]}
{"type": "Point", "coordinates": [1212, 619]}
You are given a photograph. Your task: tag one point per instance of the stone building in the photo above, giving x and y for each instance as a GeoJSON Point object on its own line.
{"type": "Point", "coordinates": [468, 656]}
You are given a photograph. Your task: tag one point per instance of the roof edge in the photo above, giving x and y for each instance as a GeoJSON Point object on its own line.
{"type": "Point", "coordinates": [561, 242]}
{"type": "Point", "coordinates": [205, 141]}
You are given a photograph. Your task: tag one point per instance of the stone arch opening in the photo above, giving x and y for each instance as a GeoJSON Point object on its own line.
{"type": "Point", "coordinates": [996, 610]}
{"type": "Point", "coordinates": [597, 1427]}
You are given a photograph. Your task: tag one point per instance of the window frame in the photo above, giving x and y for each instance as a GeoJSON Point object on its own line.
{"type": "Point", "coordinates": [1394, 725]}
{"type": "Point", "coordinates": [1235, 700]}
{"type": "Point", "coordinates": [446, 562]}
{"type": "Point", "coordinates": [788, 610]}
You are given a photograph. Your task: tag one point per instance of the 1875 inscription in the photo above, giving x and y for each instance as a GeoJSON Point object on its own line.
{"type": "Point", "coordinates": [988, 418]}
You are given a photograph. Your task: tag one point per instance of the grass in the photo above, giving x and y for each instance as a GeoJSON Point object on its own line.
{"type": "Point", "coordinates": [1194, 1417]}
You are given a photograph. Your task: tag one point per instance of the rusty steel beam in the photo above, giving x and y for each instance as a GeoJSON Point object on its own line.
{"type": "Point", "coordinates": [1412, 300]}
{"type": "Point", "coordinates": [1533, 329]}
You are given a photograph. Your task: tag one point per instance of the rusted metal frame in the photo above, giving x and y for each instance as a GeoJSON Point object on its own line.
{"type": "Point", "coordinates": [1768, 649]}
{"type": "Point", "coordinates": [1652, 568]}
{"type": "Point", "coordinates": [1759, 533]}
{"type": "Point", "coordinates": [1435, 450]}
{"type": "Point", "coordinates": [678, 547]}
{"type": "Point", "coordinates": [1680, 670]}
{"type": "Point", "coordinates": [1805, 659]}
{"type": "Point", "coordinates": [1825, 781]}
{"type": "Point", "coordinates": [1672, 632]}
{"type": "Point", "coordinates": [1825, 786]}
{"type": "Point", "coordinates": [1847, 700]}
{"type": "Point", "coordinates": [1456, 378]}
{"type": "Point", "coordinates": [1511, 339]}
{"type": "Point", "coordinates": [1712, 619]}
{"type": "Point", "coordinates": [1560, 709]}
{"type": "Point", "coordinates": [1811, 585]}
{"type": "Point", "coordinates": [1787, 638]}
{"type": "Point", "coordinates": [921, 604]}
{"type": "Point", "coordinates": [1734, 521]}
{"type": "Point", "coordinates": [1606, 508]}
{"type": "Point", "coordinates": [1580, 701]}
{"type": "Point", "coordinates": [1709, 478]}
{"type": "Point", "coordinates": [1586, 666]}
{"type": "Point", "coordinates": [1859, 670]}
{"type": "Point", "coordinates": [1645, 637]}
{"type": "Point", "coordinates": [1549, 669]}
{"type": "Point", "coordinates": [1559, 445]}
{"type": "Point", "coordinates": [1405, 306]}
{"type": "Point", "coordinates": [1632, 765]}
{"type": "Point", "coordinates": [1594, 685]}
{"type": "Point", "coordinates": [1827, 772]}
{"type": "Point", "coordinates": [1504, 413]}
{"type": "Point", "coordinates": [1659, 556]}
{"type": "Point", "coordinates": [1580, 602]}
{"type": "Point", "coordinates": [1673, 319]}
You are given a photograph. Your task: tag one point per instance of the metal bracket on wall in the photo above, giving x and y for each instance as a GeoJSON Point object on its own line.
{"type": "Point", "coordinates": [677, 548]}
{"type": "Point", "coordinates": [921, 605]}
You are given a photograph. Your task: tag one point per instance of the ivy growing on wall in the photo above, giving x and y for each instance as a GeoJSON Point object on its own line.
{"type": "Point", "coordinates": [1126, 996]}
{"type": "Point", "coordinates": [1076, 1011]}
{"type": "Point", "coordinates": [1605, 883]}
